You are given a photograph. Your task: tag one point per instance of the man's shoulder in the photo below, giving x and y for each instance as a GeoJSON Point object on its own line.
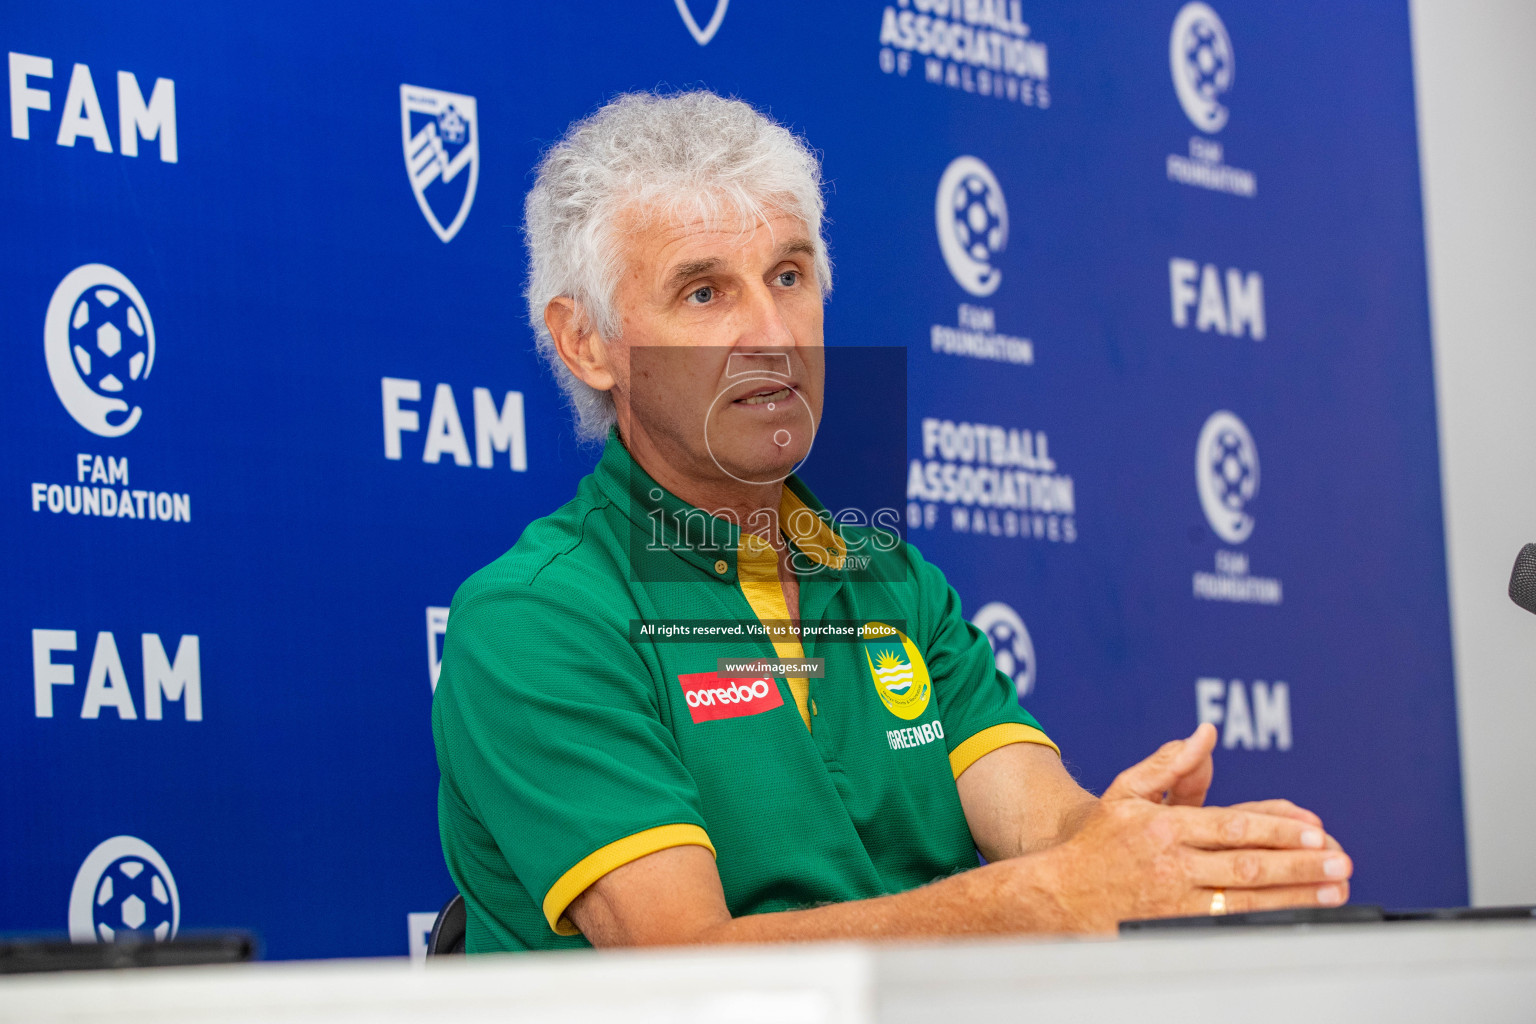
{"type": "Point", "coordinates": [892, 573]}
{"type": "Point", "coordinates": [879, 554]}
{"type": "Point", "coordinates": [568, 552]}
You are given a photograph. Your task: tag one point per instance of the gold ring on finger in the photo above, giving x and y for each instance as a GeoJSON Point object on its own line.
{"type": "Point", "coordinates": [1218, 902]}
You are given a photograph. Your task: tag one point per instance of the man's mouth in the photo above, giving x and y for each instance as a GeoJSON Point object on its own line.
{"type": "Point", "coordinates": [765, 396]}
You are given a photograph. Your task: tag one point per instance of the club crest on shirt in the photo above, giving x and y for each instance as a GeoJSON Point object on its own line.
{"type": "Point", "coordinates": [897, 670]}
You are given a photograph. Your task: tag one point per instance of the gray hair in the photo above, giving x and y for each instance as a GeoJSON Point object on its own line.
{"type": "Point", "coordinates": [691, 154]}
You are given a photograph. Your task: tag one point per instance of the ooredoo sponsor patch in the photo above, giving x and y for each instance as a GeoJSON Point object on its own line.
{"type": "Point", "coordinates": [710, 697]}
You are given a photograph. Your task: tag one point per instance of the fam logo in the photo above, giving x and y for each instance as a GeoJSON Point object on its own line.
{"type": "Point", "coordinates": [497, 428]}
{"type": "Point", "coordinates": [1012, 649]}
{"type": "Point", "coordinates": [99, 341]}
{"type": "Point", "coordinates": [124, 890]}
{"type": "Point", "coordinates": [1239, 309]}
{"type": "Point", "coordinates": [897, 669]}
{"type": "Point", "coordinates": [1203, 65]}
{"type": "Point", "coordinates": [971, 217]}
{"type": "Point", "coordinates": [1200, 56]}
{"type": "Point", "coordinates": [178, 678]}
{"type": "Point", "coordinates": [81, 115]}
{"type": "Point", "coordinates": [1227, 475]}
{"type": "Point", "coordinates": [1252, 716]}
{"type": "Point", "coordinates": [440, 135]}
{"type": "Point", "coordinates": [702, 36]}
{"type": "Point", "coordinates": [99, 344]}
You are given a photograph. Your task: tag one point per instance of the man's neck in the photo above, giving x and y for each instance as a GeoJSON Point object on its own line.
{"type": "Point", "coordinates": [754, 508]}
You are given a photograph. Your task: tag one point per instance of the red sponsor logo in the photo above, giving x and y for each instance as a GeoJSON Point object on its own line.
{"type": "Point", "coordinates": [710, 697]}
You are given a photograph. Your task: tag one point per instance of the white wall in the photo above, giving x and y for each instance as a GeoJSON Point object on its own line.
{"type": "Point", "coordinates": [1476, 83]}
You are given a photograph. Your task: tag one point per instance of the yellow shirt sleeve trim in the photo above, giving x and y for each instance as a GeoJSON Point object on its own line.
{"type": "Point", "coordinates": [615, 855]}
{"type": "Point", "coordinates": [988, 740]}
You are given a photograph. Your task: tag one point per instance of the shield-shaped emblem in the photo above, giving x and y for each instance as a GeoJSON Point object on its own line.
{"type": "Point", "coordinates": [440, 133]}
{"type": "Point", "coordinates": [702, 36]}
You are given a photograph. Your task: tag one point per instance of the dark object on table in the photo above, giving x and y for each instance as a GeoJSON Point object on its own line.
{"type": "Point", "coordinates": [20, 956]}
{"type": "Point", "coordinates": [1464, 914]}
{"type": "Point", "coordinates": [1352, 914]}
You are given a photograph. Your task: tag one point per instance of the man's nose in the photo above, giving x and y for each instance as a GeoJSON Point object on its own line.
{"type": "Point", "coordinates": [764, 322]}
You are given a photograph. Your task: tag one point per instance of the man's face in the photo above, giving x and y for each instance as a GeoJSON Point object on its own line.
{"type": "Point", "coordinates": [719, 366]}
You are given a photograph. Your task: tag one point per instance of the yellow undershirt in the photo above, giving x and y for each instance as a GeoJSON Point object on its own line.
{"type": "Point", "coordinates": [757, 570]}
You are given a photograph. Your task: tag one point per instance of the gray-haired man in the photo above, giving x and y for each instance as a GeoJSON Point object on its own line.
{"type": "Point", "coordinates": [602, 788]}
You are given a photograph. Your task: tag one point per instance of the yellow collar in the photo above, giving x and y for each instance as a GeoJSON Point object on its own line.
{"type": "Point", "coordinates": [804, 528]}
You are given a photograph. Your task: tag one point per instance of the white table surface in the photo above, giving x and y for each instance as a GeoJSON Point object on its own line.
{"type": "Point", "coordinates": [1460, 973]}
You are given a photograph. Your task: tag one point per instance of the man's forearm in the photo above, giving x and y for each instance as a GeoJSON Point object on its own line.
{"type": "Point", "coordinates": [1019, 800]}
{"type": "Point", "coordinates": [1072, 819]}
{"type": "Point", "coordinates": [1123, 857]}
{"type": "Point", "coordinates": [1009, 897]}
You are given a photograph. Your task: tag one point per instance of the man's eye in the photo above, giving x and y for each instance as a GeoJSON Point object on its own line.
{"type": "Point", "coordinates": [789, 278]}
{"type": "Point", "coordinates": [700, 296]}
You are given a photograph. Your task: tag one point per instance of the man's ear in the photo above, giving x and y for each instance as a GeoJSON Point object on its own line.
{"type": "Point", "coordinates": [580, 347]}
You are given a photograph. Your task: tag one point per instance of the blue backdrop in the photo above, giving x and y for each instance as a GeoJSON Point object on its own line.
{"type": "Point", "coordinates": [262, 288]}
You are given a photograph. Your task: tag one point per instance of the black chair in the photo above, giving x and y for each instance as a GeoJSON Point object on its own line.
{"type": "Point", "coordinates": [447, 938]}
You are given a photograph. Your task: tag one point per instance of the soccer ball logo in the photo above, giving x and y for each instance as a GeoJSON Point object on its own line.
{"type": "Point", "coordinates": [978, 222]}
{"type": "Point", "coordinates": [108, 340]}
{"type": "Point", "coordinates": [131, 897]}
{"type": "Point", "coordinates": [452, 126]}
{"type": "Point", "coordinates": [99, 342]}
{"type": "Point", "coordinates": [1234, 469]}
{"type": "Point", "coordinates": [1227, 475]}
{"type": "Point", "coordinates": [1012, 649]}
{"type": "Point", "coordinates": [124, 889]}
{"type": "Point", "coordinates": [971, 217]}
{"type": "Point", "coordinates": [1200, 55]}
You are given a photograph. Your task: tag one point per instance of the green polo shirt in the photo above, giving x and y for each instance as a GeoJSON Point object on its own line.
{"type": "Point", "coordinates": [575, 736]}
